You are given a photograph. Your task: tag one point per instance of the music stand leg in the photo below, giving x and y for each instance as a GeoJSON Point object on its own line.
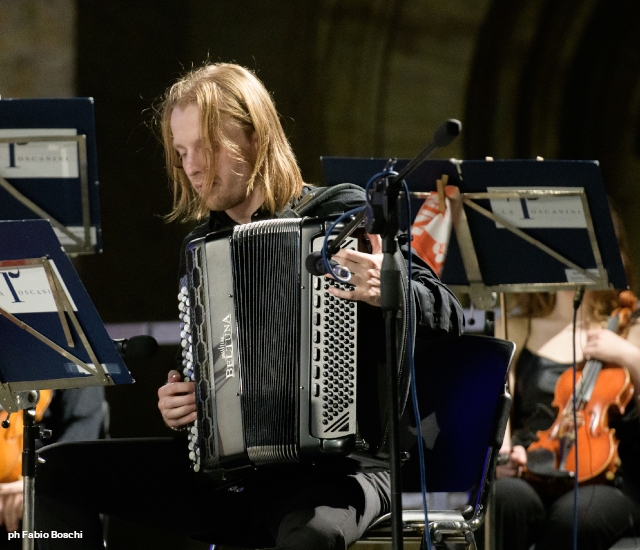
{"type": "Point", "coordinates": [489, 522]}
{"type": "Point", "coordinates": [30, 435]}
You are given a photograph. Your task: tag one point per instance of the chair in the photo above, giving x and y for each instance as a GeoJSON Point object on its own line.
{"type": "Point", "coordinates": [631, 543]}
{"type": "Point", "coordinates": [464, 407]}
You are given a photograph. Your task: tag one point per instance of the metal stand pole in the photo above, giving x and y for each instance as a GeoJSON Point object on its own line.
{"type": "Point", "coordinates": [30, 434]}
{"type": "Point", "coordinates": [391, 304]}
{"type": "Point", "coordinates": [390, 316]}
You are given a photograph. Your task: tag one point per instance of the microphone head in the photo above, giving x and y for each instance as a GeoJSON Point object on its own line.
{"type": "Point", "coordinates": [313, 264]}
{"type": "Point", "coordinates": [140, 347]}
{"type": "Point", "coordinates": [448, 131]}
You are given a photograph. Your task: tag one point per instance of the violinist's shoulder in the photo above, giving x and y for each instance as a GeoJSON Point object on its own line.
{"type": "Point", "coordinates": [517, 328]}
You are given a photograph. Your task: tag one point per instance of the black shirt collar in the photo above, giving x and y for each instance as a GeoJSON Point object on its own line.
{"type": "Point", "coordinates": [221, 220]}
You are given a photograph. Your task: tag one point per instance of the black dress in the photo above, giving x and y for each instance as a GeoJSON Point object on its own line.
{"type": "Point", "coordinates": [606, 512]}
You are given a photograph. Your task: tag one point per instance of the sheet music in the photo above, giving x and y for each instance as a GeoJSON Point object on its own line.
{"type": "Point", "coordinates": [540, 212]}
{"type": "Point", "coordinates": [38, 159]}
{"type": "Point", "coordinates": [26, 289]}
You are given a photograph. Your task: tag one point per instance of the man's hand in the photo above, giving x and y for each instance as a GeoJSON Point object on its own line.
{"type": "Point", "coordinates": [11, 505]}
{"type": "Point", "coordinates": [513, 467]}
{"type": "Point", "coordinates": [365, 272]}
{"type": "Point", "coordinates": [177, 401]}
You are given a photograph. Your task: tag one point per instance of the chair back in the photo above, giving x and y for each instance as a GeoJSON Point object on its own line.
{"type": "Point", "coordinates": [463, 408]}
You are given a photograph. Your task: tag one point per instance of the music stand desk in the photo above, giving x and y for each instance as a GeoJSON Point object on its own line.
{"type": "Point", "coordinates": [519, 226]}
{"type": "Point", "coordinates": [48, 168]}
{"type": "Point", "coordinates": [51, 336]}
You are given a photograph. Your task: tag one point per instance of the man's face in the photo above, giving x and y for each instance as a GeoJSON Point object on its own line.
{"type": "Point", "coordinates": [229, 187]}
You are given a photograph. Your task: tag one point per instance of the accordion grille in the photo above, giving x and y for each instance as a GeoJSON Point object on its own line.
{"type": "Point", "coordinates": [266, 265]}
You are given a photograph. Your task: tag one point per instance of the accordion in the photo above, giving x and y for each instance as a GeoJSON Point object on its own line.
{"type": "Point", "coordinates": [272, 352]}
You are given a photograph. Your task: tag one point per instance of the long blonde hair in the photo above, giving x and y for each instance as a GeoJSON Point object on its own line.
{"type": "Point", "coordinates": [229, 94]}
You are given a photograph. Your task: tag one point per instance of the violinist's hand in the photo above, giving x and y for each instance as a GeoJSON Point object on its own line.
{"type": "Point", "coordinates": [513, 467]}
{"type": "Point", "coordinates": [608, 347]}
{"type": "Point", "coordinates": [177, 401]}
{"type": "Point", "coordinates": [365, 272]}
{"type": "Point", "coordinates": [11, 505]}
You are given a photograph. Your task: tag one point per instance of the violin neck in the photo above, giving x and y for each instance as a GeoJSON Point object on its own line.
{"type": "Point", "coordinates": [584, 388]}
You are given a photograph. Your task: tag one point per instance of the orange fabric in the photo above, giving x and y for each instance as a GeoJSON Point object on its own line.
{"type": "Point", "coordinates": [431, 229]}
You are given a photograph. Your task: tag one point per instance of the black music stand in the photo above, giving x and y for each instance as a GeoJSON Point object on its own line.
{"type": "Point", "coordinates": [51, 336]}
{"type": "Point", "coordinates": [522, 225]}
{"type": "Point", "coordinates": [48, 168]}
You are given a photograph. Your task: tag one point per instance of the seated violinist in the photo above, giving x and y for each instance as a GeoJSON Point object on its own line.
{"type": "Point", "coordinates": [71, 415]}
{"type": "Point", "coordinates": [526, 512]}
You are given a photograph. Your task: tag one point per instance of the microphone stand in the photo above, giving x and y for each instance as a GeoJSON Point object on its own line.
{"type": "Point", "coordinates": [388, 191]}
{"type": "Point", "coordinates": [391, 304]}
{"type": "Point", "coordinates": [385, 195]}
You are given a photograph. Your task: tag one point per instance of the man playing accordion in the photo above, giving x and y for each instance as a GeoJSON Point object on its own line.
{"type": "Point", "coordinates": [230, 163]}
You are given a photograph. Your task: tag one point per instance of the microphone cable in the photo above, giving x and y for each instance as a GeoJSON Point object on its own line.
{"type": "Point", "coordinates": [577, 300]}
{"type": "Point", "coordinates": [410, 325]}
{"type": "Point", "coordinates": [412, 372]}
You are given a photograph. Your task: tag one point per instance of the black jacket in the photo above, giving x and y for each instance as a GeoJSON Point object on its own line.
{"type": "Point", "coordinates": [438, 314]}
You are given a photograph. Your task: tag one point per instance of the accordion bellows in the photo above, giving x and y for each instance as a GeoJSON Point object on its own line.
{"type": "Point", "coordinates": [272, 352]}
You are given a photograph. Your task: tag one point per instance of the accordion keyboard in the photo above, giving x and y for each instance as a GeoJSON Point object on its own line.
{"type": "Point", "coordinates": [186, 343]}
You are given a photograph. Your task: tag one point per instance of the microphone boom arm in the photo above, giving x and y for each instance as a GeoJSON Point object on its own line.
{"type": "Point", "coordinates": [444, 135]}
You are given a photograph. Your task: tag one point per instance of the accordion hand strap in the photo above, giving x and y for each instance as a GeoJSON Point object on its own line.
{"type": "Point", "coordinates": [316, 196]}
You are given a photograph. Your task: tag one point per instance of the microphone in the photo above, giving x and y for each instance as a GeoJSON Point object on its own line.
{"type": "Point", "coordinates": [447, 132]}
{"type": "Point", "coordinates": [137, 347]}
{"type": "Point", "coordinates": [443, 136]}
{"type": "Point", "coordinates": [315, 265]}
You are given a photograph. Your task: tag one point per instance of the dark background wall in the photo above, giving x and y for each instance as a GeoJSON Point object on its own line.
{"type": "Point", "coordinates": [361, 78]}
{"type": "Point", "coordinates": [561, 80]}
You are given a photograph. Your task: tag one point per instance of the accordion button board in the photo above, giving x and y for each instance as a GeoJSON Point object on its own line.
{"type": "Point", "coordinates": [186, 342]}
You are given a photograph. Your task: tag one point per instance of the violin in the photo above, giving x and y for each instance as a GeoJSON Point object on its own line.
{"type": "Point", "coordinates": [601, 390]}
{"type": "Point", "coordinates": [11, 440]}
